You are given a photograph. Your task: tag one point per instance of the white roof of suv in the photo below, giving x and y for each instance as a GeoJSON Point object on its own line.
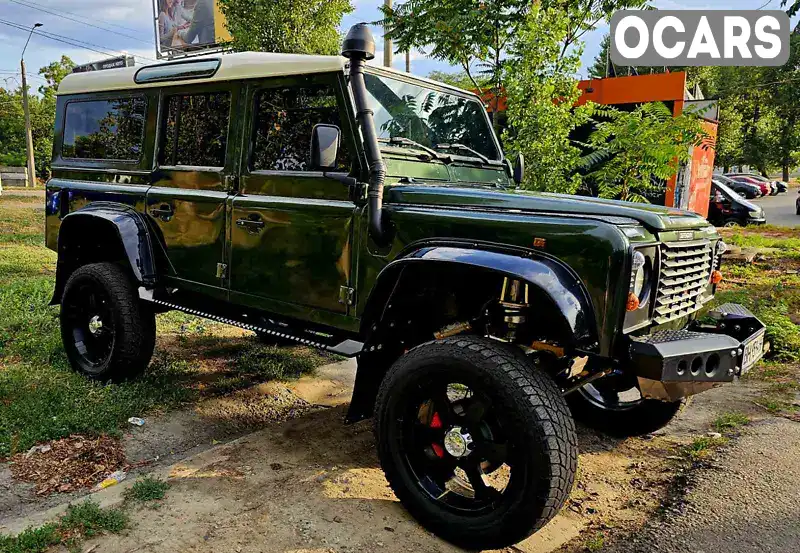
{"type": "Point", "coordinates": [243, 65]}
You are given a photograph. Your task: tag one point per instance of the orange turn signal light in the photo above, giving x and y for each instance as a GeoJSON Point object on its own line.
{"type": "Point", "coordinates": [633, 302]}
{"type": "Point", "coordinates": [716, 277]}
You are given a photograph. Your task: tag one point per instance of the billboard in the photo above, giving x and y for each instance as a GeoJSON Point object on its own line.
{"type": "Point", "coordinates": [184, 26]}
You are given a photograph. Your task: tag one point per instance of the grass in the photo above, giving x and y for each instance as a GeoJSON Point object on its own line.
{"type": "Point", "coordinates": [769, 287]}
{"type": "Point", "coordinates": [704, 446]}
{"type": "Point", "coordinates": [42, 399]}
{"type": "Point", "coordinates": [82, 520]}
{"type": "Point", "coordinates": [146, 489]}
{"type": "Point", "coordinates": [728, 422]}
{"type": "Point", "coordinates": [595, 542]}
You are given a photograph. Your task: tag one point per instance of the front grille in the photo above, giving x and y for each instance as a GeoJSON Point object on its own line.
{"type": "Point", "coordinates": [685, 271]}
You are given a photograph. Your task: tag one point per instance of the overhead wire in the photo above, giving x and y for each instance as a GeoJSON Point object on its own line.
{"type": "Point", "coordinates": [61, 10]}
{"type": "Point", "coordinates": [76, 20]}
{"type": "Point", "coordinates": [70, 41]}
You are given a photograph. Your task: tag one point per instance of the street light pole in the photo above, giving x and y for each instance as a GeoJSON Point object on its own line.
{"type": "Point", "coordinates": [28, 132]}
{"type": "Point", "coordinates": [387, 42]}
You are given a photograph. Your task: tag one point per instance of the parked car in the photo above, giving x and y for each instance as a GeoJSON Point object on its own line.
{"type": "Point", "coordinates": [763, 186]}
{"type": "Point", "coordinates": [312, 198]}
{"type": "Point", "coordinates": [726, 208]}
{"type": "Point", "coordinates": [783, 186]}
{"type": "Point", "coordinates": [745, 189]}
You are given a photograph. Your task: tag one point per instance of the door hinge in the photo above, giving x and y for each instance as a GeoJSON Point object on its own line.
{"type": "Point", "coordinates": [222, 270]}
{"type": "Point", "coordinates": [346, 295]}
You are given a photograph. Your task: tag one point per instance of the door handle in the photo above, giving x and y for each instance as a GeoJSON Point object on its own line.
{"type": "Point", "coordinates": [253, 223]}
{"type": "Point", "coordinates": [163, 212]}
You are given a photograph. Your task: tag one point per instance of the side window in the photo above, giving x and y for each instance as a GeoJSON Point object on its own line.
{"type": "Point", "coordinates": [104, 129]}
{"type": "Point", "coordinates": [196, 129]}
{"type": "Point", "coordinates": [284, 118]}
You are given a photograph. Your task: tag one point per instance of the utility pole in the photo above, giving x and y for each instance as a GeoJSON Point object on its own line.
{"type": "Point", "coordinates": [387, 42]}
{"type": "Point", "coordinates": [28, 132]}
{"type": "Point", "coordinates": [408, 61]}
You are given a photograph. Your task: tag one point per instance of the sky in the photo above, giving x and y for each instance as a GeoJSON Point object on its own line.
{"type": "Point", "coordinates": [117, 26]}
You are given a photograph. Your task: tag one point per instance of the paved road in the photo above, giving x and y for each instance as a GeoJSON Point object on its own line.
{"type": "Point", "coordinates": [780, 209]}
{"type": "Point", "coordinates": [750, 504]}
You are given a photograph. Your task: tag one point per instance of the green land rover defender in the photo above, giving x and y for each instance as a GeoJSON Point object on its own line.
{"type": "Point", "coordinates": [373, 214]}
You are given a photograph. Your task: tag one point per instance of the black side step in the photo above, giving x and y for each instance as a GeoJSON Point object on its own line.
{"type": "Point", "coordinates": [259, 323]}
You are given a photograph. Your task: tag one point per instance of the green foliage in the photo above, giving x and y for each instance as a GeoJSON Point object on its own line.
{"type": "Point", "coordinates": [308, 27]}
{"type": "Point", "coordinates": [31, 540]}
{"type": "Point", "coordinates": [459, 79]}
{"type": "Point", "coordinates": [88, 519]}
{"type": "Point", "coordinates": [82, 520]}
{"type": "Point", "coordinates": [148, 488]}
{"type": "Point", "coordinates": [702, 447]}
{"type": "Point", "coordinates": [730, 421]}
{"type": "Point", "coordinates": [469, 34]}
{"type": "Point", "coordinates": [541, 92]}
{"type": "Point", "coordinates": [43, 113]}
{"type": "Point", "coordinates": [633, 152]}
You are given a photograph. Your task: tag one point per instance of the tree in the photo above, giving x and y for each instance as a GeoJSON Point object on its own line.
{"type": "Point", "coordinates": [459, 79]}
{"type": "Point", "coordinates": [308, 27]}
{"type": "Point", "coordinates": [475, 35]}
{"type": "Point", "coordinates": [541, 93]}
{"type": "Point", "coordinates": [43, 112]}
{"type": "Point", "coordinates": [633, 152]}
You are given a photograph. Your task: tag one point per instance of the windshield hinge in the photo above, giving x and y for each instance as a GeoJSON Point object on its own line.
{"type": "Point", "coordinates": [346, 295]}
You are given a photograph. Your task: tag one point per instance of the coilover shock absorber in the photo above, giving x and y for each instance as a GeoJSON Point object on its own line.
{"type": "Point", "coordinates": [513, 301]}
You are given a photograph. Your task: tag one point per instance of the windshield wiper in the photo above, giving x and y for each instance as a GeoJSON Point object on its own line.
{"type": "Point", "coordinates": [465, 148]}
{"type": "Point", "coordinates": [402, 140]}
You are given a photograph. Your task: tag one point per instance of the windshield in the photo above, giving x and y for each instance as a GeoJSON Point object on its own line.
{"type": "Point", "coordinates": [725, 190]}
{"type": "Point", "coordinates": [430, 118]}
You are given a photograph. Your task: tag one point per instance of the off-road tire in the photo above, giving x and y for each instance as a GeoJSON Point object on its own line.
{"type": "Point", "coordinates": [536, 410]}
{"type": "Point", "coordinates": [134, 325]}
{"type": "Point", "coordinates": [646, 417]}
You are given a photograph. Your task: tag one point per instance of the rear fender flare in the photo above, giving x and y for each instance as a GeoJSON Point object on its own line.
{"type": "Point", "coordinates": [129, 230]}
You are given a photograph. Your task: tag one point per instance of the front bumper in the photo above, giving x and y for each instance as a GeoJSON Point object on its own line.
{"type": "Point", "coordinates": [673, 364]}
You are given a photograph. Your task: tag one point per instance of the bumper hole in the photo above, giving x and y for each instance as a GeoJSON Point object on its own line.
{"type": "Point", "coordinates": [682, 366]}
{"type": "Point", "coordinates": [712, 364]}
{"type": "Point", "coordinates": [697, 364]}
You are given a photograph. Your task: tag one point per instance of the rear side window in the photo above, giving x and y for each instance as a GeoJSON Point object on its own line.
{"type": "Point", "coordinates": [196, 129]}
{"type": "Point", "coordinates": [284, 120]}
{"type": "Point", "coordinates": [104, 129]}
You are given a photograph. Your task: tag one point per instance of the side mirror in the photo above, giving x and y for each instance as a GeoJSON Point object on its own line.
{"type": "Point", "coordinates": [519, 168]}
{"type": "Point", "coordinates": [324, 146]}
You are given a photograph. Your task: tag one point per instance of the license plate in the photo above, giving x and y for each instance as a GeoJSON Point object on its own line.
{"type": "Point", "coordinates": [753, 350]}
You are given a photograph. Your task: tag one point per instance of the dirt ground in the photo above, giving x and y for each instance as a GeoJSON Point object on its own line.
{"type": "Point", "coordinates": [312, 484]}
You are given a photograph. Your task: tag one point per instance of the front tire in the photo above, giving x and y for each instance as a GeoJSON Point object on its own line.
{"type": "Point", "coordinates": [108, 334]}
{"type": "Point", "coordinates": [476, 442]}
{"type": "Point", "coordinates": [622, 414]}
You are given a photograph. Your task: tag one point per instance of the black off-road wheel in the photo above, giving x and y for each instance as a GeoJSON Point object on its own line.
{"type": "Point", "coordinates": [476, 442]}
{"type": "Point", "coordinates": [605, 406]}
{"type": "Point", "coordinates": [108, 333]}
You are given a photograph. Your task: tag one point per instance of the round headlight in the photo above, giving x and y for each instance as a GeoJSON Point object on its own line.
{"type": "Point", "coordinates": [638, 282]}
{"type": "Point", "coordinates": [638, 274]}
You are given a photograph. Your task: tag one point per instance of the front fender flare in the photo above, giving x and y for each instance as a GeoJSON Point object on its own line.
{"type": "Point", "coordinates": [551, 277]}
{"type": "Point", "coordinates": [128, 229]}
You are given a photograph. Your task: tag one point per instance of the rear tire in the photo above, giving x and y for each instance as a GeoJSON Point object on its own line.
{"type": "Point", "coordinates": [108, 333]}
{"type": "Point", "coordinates": [508, 406]}
{"type": "Point", "coordinates": [635, 419]}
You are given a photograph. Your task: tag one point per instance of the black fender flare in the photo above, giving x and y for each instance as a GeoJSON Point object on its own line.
{"type": "Point", "coordinates": [555, 280]}
{"type": "Point", "coordinates": [551, 277]}
{"type": "Point", "coordinates": [129, 230]}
